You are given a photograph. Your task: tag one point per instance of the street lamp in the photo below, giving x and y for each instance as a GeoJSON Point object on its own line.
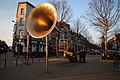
{"type": "Point", "coordinates": [15, 42]}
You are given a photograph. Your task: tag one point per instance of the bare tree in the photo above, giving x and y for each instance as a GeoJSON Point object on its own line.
{"type": "Point", "coordinates": [80, 28]}
{"type": "Point", "coordinates": [77, 26]}
{"type": "Point", "coordinates": [64, 13]}
{"type": "Point", "coordinates": [64, 10]}
{"type": "Point", "coordinates": [104, 14]}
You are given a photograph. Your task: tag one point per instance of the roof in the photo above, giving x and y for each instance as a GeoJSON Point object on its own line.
{"type": "Point", "coordinates": [26, 2]}
{"type": "Point", "coordinates": [23, 3]}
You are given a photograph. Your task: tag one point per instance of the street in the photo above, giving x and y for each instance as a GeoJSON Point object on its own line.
{"type": "Point", "coordinates": [62, 69]}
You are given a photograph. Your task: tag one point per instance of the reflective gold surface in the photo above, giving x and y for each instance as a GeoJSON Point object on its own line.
{"type": "Point", "coordinates": [41, 20]}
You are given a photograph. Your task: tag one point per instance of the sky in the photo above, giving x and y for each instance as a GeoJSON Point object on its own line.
{"type": "Point", "coordinates": [8, 10]}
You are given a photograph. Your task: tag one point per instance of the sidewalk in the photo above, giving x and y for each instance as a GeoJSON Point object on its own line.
{"type": "Point", "coordinates": [11, 61]}
{"type": "Point", "coordinates": [61, 69]}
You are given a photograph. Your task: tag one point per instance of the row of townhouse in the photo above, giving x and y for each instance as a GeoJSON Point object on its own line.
{"type": "Point", "coordinates": [58, 38]}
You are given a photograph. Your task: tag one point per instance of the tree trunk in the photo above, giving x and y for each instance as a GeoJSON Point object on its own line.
{"type": "Point", "coordinates": [105, 40]}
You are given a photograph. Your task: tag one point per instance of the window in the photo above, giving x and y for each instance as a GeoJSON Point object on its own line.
{"type": "Point", "coordinates": [21, 33]}
{"type": "Point", "coordinates": [22, 10]}
{"type": "Point", "coordinates": [21, 22]}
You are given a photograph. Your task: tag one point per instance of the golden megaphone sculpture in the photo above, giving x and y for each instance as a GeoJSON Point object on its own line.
{"type": "Point", "coordinates": [41, 21]}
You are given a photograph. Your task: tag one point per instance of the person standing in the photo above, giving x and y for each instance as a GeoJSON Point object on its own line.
{"type": "Point", "coordinates": [82, 56]}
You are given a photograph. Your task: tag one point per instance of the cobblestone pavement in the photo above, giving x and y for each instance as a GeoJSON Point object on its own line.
{"type": "Point", "coordinates": [62, 69]}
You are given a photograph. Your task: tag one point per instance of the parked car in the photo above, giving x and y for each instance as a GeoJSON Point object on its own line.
{"type": "Point", "coordinates": [94, 52]}
{"type": "Point", "coordinates": [109, 56]}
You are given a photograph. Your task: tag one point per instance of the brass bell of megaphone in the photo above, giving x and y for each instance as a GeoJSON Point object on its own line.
{"type": "Point", "coordinates": [41, 20]}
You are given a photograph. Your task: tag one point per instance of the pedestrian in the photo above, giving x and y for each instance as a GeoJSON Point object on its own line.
{"type": "Point", "coordinates": [82, 56]}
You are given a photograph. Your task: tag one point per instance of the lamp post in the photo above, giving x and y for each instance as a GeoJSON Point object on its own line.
{"type": "Point", "coordinates": [15, 42]}
{"type": "Point", "coordinates": [18, 42]}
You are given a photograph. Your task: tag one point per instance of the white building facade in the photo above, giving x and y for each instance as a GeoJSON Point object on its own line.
{"type": "Point", "coordinates": [19, 32]}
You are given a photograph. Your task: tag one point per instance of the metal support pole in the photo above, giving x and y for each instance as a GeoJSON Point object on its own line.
{"type": "Point", "coordinates": [16, 54]}
{"type": "Point", "coordinates": [17, 62]}
{"type": "Point", "coordinates": [47, 54]}
{"type": "Point", "coordinates": [27, 49]}
{"type": "Point", "coordinates": [17, 59]}
{"type": "Point", "coordinates": [57, 44]}
{"type": "Point", "coordinates": [33, 56]}
{"type": "Point", "coordinates": [5, 59]}
{"type": "Point", "coordinates": [27, 56]}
